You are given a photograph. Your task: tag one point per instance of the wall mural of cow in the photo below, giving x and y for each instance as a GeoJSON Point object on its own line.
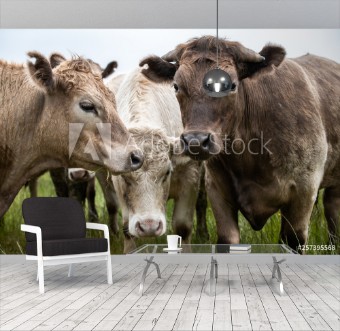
{"type": "Point", "coordinates": [151, 113]}
{"type": "Point", "coordinates": [79, 183]}
{"type": "Point", "coordinates": [35, 99]}
{"type": "Point", "coordinates": [270, 144]}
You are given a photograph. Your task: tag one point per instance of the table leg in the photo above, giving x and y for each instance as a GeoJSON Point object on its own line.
{"type": "Point", "coordinates": [277, 270]}
{"type": "Point", "coordinates": [213, 274]}
{"type": "Point", "coordinates": [148, 263]}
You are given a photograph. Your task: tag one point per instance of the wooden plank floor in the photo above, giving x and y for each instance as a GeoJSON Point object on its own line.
{"type": "Point", "coordinates": [245, 298]}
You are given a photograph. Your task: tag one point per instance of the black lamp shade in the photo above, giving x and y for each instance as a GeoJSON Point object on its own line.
{"type": "Point", "coordinates": [217, 83]}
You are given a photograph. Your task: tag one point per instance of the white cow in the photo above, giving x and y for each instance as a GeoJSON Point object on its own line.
{"type": "Point", "coordinates": [152, 115]}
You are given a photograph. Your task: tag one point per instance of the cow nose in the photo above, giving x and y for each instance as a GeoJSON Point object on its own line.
{"type": "Point", "coordinates": [147, 228]}
{"type": "Point", "coordinates": [78, 175]}
{"type": "Point", "coordinates": [137, 159]}
{"type": "Point", "coordinates": [194, 139]}
{"type": "Point", "coordinates": [197, 144]}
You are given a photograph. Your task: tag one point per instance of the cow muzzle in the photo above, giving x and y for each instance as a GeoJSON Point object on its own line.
{"type": "Point", "coordinates": [80, 175]}
{"type": "Point", "coordinates": [149, 228]}
{"type": "Point", "coordinates": [198, 145]}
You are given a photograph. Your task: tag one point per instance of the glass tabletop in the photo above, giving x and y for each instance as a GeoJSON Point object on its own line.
{"type": "Point", "coordinates": [216, 249]}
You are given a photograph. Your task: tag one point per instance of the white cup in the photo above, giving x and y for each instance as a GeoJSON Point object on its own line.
{"type": "Point", "coordinates": [173, 241]}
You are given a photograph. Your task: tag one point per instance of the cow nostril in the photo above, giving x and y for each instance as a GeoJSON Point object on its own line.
{"type": "Point", "coordinates": [137, 160]}
{"type": "Point", "coordinates": [160, 227]}
{"type": "Point", "coordinates": [185, 139]}
{"type": "Point", "coordinates": [139, 227]}
{"type": "Point", "coordinates": [204, 140]}
{"type": "Point", "coordinates": [83, 174]}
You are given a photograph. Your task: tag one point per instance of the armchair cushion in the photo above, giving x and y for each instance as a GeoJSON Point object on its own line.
{"type": "Point", "coordinates": [68, 246]}
{"type": "Point", "coordinates": [58, 218]}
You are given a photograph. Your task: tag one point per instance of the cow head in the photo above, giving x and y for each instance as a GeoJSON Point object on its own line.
{"type": "Point", "coordinates": [143, 193]}
{"type": "Point", "coordinates": [207, 119]}
{"type": "Point", "coordinates": [79, 123]}
{"type": "Point", "coordinates": [56, 59]}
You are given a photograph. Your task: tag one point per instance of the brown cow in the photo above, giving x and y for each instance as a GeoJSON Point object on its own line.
{"type": "Point", "coordinates": [271, 143]}
{"type": "Point", "coordinates": [37, 105]}
{"type": "Point", "coordinates": [79, 183]}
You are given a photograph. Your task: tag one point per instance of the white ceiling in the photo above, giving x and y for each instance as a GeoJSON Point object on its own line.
{"type": "Point", "coordinates": [169, 13]}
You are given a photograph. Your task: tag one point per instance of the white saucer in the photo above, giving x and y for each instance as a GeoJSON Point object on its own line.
{"type": "Point", "coordinates": [172, 250]}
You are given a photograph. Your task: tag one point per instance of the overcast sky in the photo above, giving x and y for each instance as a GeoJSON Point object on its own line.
{"type": "Point", "coordinates": [128, 47]}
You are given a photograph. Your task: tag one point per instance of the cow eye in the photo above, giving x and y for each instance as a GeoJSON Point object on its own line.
{"type": "Point", "coordinates": [176, 87]}
{"type": "Point", "coordinates": [88, 107]}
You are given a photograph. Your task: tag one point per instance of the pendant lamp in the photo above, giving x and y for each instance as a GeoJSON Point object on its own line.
{"type": "Point", "coordinates": [216, 82]}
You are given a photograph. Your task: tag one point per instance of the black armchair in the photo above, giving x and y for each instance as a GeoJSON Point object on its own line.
{"type": "Point", "coordinates": [56, 234]}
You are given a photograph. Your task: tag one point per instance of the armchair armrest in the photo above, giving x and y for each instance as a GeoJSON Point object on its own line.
{"type": "Point", "coordinates": [37, 231]}
{"type": "Point", "coordinates": [31, 228]}
{"type": "Point", "coordinates": [100, 227]}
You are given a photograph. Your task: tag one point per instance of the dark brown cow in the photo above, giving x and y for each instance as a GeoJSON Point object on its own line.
{"type": "Point", "coordinates": [271, 143]}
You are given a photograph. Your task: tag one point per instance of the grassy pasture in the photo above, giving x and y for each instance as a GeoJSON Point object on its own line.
{"type": "Point", "coordinates": [12, 240]}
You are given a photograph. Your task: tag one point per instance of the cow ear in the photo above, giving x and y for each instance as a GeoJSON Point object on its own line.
{"type": "Point", "coordinates": [41, 71]}
{"type": "Point", "coordinates": [157, 69]}
{"type": "Point", "coordinates": [56, 59]}
{"type": "Point", "coordinates": [273, 56]}
{"type": "Point", "coordinates": [110, 68]}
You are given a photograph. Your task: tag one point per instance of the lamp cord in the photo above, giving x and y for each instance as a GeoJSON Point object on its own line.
{"type": "Point", "coordinates": [217, 33]}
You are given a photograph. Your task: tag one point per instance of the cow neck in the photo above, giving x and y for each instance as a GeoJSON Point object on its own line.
{"type": "Point", "coordinates": [22, 107]}
{"type": "Point", "coordinates": [21, 156]}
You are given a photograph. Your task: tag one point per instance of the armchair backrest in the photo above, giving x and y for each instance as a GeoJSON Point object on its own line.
{"type": "Point", "coordinates": [59, 218]}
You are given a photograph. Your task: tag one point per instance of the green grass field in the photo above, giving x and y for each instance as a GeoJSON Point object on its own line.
{"type": "Point", "coordinates": [12, 240]}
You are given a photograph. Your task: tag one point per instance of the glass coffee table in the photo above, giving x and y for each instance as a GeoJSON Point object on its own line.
{"type": "Point", "coordinates": [210, 254]}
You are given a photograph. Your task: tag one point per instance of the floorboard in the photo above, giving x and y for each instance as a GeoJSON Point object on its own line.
{"type": "Point", "coordinates": [245, 298]}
